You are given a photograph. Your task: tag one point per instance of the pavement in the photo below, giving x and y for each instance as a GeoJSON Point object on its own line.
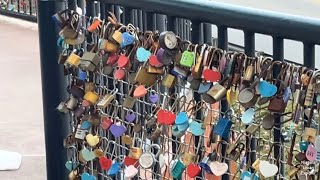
{"type": "Point", "coordinates": [21, 124]}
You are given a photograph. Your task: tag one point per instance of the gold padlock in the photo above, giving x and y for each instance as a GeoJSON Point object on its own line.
{"type": "Point", "coordinates": [89, 86]}
{"type": "Point", "coordinates": [92, 97]}
{"type": "Point", "coordinates": [294, 171]}
{"type": "Point", "coordinates": [189, 158]}
{"type": "Point", "coordinates": [305, 77]}
{"type": "Point", "coordinates": [135, 152]}
{"type": "Point", "coordinates": [168, 81]}
{"type": "Point", "coordinates": [309, 134]}
{"type": "Point", "coordinates": [145, 78]}
{"type": "Point", "coordinates": [111, 47]}
{"type": "Point", "coordinates": [155, 70]}
{"type": "Point", "coordinates": [73, 59]}
{"type": "Point", "coordinates": [217, 92]}
{"type": "Point", "coordinates": [256, 164]}
{"type": "Point", "coordinates": [73, 175]}
{"type": "Point", "coordinates": [117, 36]}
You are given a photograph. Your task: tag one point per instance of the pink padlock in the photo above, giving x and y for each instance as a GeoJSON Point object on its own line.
{"type": "Point", "coordinates": [130, 171]}
{"type": "Point", "coordinates": [311, 153]}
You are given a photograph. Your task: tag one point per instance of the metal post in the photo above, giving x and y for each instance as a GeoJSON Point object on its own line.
{"type": "Point", "coordinates": [308, 55]}
{"type": "Point", "coordinates": [223, 44]}
{"type": "Point", "coordinates": [53, 90]}
{"type": "Point", "coordinates": [72, 4]}
{"type": "Point", "coordinates": [249, 49]}
{"type": "Point", "coordinates": [160, 22]}
{"type": "Point", "coordinates": [207, 33]}
{"type": "Point", "coordinates": [278, 55]}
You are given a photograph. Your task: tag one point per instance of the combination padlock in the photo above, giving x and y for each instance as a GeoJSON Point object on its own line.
{"type": "Point", "coordinates": [148, 159]}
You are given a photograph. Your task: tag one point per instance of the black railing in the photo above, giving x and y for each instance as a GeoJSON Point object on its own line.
{"type": "Point", "coordinates": [190, 19]}
{"type": "Point", "coordinates": [23, 9]}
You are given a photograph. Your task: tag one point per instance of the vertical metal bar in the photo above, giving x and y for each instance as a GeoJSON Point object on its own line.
{"type": "Point", "coordinates": [151, 25]}
{"type": "Point", "coordinates": [54, 92]}
{"type": "Point", "coordinates": [97, 8]}
{"type": "Point", "coordinates": [128, 15]}
{"type": "Point", "coordinates": [140, 19]}
{"type": "Point", "coordinates": [160, 22]}
{"type": "Point", "coordinates": [278, 54]}
{"type": "Point", "coordinates": [117, 12]}
{"type": "Point", "coordinates": [309, 55]}
{"type": "Point", "coordinates": [81, 4]}
{"type": "Point", "coordinates": [18, 5]}
{"type": "Point", "coordinates": [223, 44]}
{"type": "Point", "coordinates": [207, 33]}
{"type": "Point", "coordinates": [196, 38]}
{"type": "Point", "coordinates": [30, 7]}
{"type": "Point", "coordinates": [72, 4]}
{"type": "Point", "coordinates": [249, 49]}
{"type": "Point", "coordinates": [172, 24]}
{"type": "Point", "coordinates": [89, 13]}
{"type": "Point", "coordinates": [102, 10]}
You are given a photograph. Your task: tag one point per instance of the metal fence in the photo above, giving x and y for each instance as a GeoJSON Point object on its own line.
{"type": "Point", "coordinates": [23, 9]}
{"type": "Point", "coordinates": [191, 20]}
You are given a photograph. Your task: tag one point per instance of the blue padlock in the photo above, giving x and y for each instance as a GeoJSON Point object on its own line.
{"type": "Point", "coordinates": [114, 169]}
{"type": "Point", "coordinates": [127, 39]}
{"type": "Point", "coordinates": [223, 128]}
{"type": "Point", "coordinates": [82, 75]}
{"type": "Point", "coordinates": [176, 132]}
{"type": "Point", "coordinates": [303, 145]}
{"type": "Point", "coordinates": [204, 164]}
{"type": "Point", "coordinates": [204, 87]}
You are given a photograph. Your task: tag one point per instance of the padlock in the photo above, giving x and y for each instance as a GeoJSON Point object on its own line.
{"type": "Point", "coordinates": [115, 167]}
{"type": "Point", "coordinates": [129, 102]}
{"type": "Point", "coordinates": [198, 65]}
{"type": "Point", "coordinates": [223, 127]}
{"type": "Point", "coordinates": [117, 35]}
{"type": "Point", "coordinates": [309, 133]}
{"type": "Point", "coordinates": [168, 81]}
{"type": "Point", "coordinates": [96, 22]}
{"type": "Point", "coordinates": [89, 86]}
{"type": "Point", "coordinates": [59, 19]}
{"type": "Point", "coordinates": [76, 92]}
{"type": "Point", "coordinates": [148, 159]}
{"type": "Point", "coordinates": [72, 103]}
{"type": "Point", "coordinates": [189, 158]}
{"type": "Point", "coordinates": [145, 78]}
{"type": "Point", "coordinates": [73, 59]}
{"type": "Point", "coordinates": [127, 39]}
{"type": "Point", "coordinates": [252, 129]}
{"type": "Point", "coordinates": [106, 100]}
{"type": "Point", "coordinates": [303, 145]}
{"type": "Point", "coordinates": [188, 57]}
{"type": "Point", "coordinates": [179, 72]}
{"type": "Point", "coordinates": [177, 169]}
{"type": "Point", "coordinates": [218, 91]}
{"type": "Point", "coordinates": [305, 77]}
{"type": "Point", "coordinates": [277, 104]}
{"type": "Point", "coordinates": [248, 75]}
{"type": "Point", "coordinates": [301, 157]}
{"type": "Point", "coordinates": [68, 32]}
{"type": "Point", "coordinates": [236, 152]}
{"type": "Point", "coordinates": [155, 70]}
{"type": "Point", "coordinates": [311, 153]}
{"type": "Point", "coordinates": [110, 47]}
{"type": "Point", "coordinates": [80, 133]}
{"type": "Point", "coordinates": [204, 164]}
{"type": "Point", "coordinates": [317, 82]}
{"type": "Point", "coordinates": [63, 57]}
{"type": "Point", "coordinates": [256, 164]}
{"type": "Point", "coordinates": [91, 96]}
{"type": "Point", "coordinates": [293, 172]}
{"type": "Point", "coordinates": [62, 107]}
{"type": "Point", "coordinates": [89, 60]}
{"type": "Point", "coordinates": [135, 151]}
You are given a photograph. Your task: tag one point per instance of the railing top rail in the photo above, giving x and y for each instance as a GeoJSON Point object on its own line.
{"type": "Point", "coordinates": [249, 19]}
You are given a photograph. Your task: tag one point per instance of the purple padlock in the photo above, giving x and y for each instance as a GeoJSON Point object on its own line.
{"type": "Point", "coordinates": [130, 117]}
{"type": "Point", "coordinates": [160, 53]}
{"type": "Point", "coordinates": [153, 98]}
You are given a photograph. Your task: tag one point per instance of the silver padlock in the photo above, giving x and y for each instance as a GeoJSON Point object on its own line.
{"type": "Point", "coordinates": [72, 103]}
{"type": "Point", "coordinates": [80, 133]}
{"type": "Point", "coordinates": [62, 107]}
{"type": "Point", "coordinates": [148, 159]}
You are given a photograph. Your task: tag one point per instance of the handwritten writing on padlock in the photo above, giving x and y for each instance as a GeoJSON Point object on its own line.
{"type": "Point", "coordinates": [148, 159]}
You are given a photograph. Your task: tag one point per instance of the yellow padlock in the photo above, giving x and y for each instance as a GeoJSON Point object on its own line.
{"type": "Point", "coordinates": [256, 164]}
{"type": "Point", "coordinates": [117, 36]}
{"type": "Point", "coordinates": [168, 81]}
{"type": "Point", "coordinates": [111, 47]}
{"type": "Point", "coordinates": [92, 97]}
{"type": "Point", "coordinates": [73, 60]}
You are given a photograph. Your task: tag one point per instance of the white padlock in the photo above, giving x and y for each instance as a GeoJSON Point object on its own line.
{"type": "Point", "coordinates": [148, 159]}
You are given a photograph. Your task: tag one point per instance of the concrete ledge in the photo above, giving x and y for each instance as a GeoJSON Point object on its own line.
{"type": "Point", "coordinates": [18, 15]}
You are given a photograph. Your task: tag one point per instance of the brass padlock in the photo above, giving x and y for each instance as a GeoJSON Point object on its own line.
{"type": "Point", "coordinates": [145, 78]}
{"type": "Point", "coordinates": [294, 171]}
{"type": "Point", "coordinates": [249, 72]}
{"type": "Point", "coordinates": [68, 32]}
{"type": "Point", "coordinates": [236, 152]}
{"type": "Point", "coordinates": [89, 86]}
{"type": "Point", "coordinates": [117, 36]}
{"type": "Point", "coordinates": [168, 81]}
{"type": "Point", "coordinates": [89, 60]}
{"type": "Point", "coordinates": [252, 129]}
{"type": "Point", "coordinates": [256, 164]}
{"type": "Point", "coordinates": [189, 158]}
{"type": "Point", "coordinates": [155, 70]}
{"type": "Point", "coordinates": [92, 97]}
{"type": "Point", "coordinates": [73, 59]}
{"type": "Point", "coordinates": [111, 47]}
{"type": "Point", "coordinates": [305, 77]}
{"type": "Point", "coordinates": [309, 133]}
{"type": "Point", "coordinates": [217, 91]}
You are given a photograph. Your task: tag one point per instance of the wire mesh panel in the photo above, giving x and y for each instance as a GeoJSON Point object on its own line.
{"type": "Point", "coordinates": [136, 112]}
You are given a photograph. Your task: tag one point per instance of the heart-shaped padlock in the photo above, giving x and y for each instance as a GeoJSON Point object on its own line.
{"type": "Point", "coordinates": [119, 74]}
{"type": "Point", "coordinates": [127, 39]}
{"type": "Point", "coordinates": [153, 98]}
{"type": "Point", "coordinates": [311, 153]}
{"type": "Point", "coordinates": [117, 130]}
{"type": "Point", "coordinates": [153, 61]}
{"type": "Point", "coordinates": [105, 163]}
{"type": "Point", "coordinates": [123, 61]}
{"type": "Point", "coordinates": [143, 54]}
{"type": "Point", "coordinates": [130, 171]}
{"type": "Point", "coordinates": [166, 117]}
{"type": "Point", "coordinates": [86, 176]}
{"type": "Point", "coordinates": [266, 89]}
{"type": "Point", "coordinates": [196, 128]}
{"type": "Point", "coordinates": [193, 170]}
{"type": "Point", "coordinates": [130, 117]}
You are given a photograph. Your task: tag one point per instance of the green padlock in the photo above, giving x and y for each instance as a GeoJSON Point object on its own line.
{"type": "Point", "coordinates": [303, 145]}
{"type": "Point", "coordinates": [177, 169]}
{"type": "Point", "coordinates": [188, 57]}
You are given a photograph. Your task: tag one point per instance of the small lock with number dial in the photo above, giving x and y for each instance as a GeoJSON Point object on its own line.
{"type": "Point", "coordinates": [91, 96]}
{"type": "Point", "coordinates": [89, 60]}
{"type": "Point", "coordinates": [188, 57]}
{"type": "Point", "coordinates": [106, 100]}
{"type": "Point", "coordinates": [80, 133]}
{"type": "Point", "coordinates": [148, 159]}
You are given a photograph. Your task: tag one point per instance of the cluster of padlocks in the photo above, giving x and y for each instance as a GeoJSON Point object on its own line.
{"type": "Point", "coordinates": [146, 105]}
